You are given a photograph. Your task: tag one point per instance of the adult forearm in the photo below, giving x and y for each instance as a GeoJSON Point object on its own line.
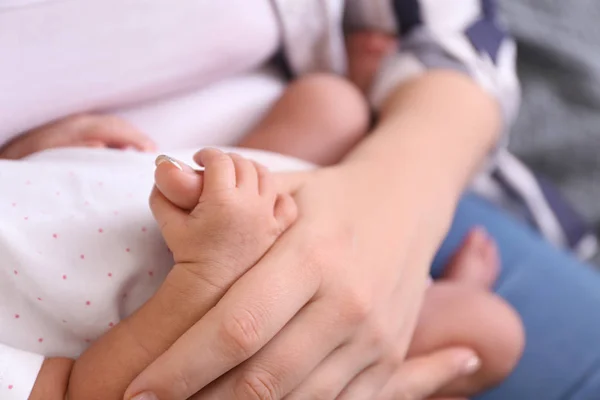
{"type": "Point", "coordinates": [432, 135]}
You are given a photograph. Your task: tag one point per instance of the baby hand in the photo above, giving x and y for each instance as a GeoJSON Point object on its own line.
{"type": "Point", "coordinates": [86, 130]}
{"type": "Point", "coordinates": [220, 222]}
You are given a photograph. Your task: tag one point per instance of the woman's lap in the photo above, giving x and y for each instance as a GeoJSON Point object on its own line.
{"type": "Point", "coordinates": [557, 298]}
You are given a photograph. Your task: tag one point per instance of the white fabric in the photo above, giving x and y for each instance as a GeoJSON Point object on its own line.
{"type": "Point", "coordinates": [80, 251]}
{"type": "Point", "coordinates": [218, 115]}
{"type": "Point", "coordinates": [443, 42]}
{"type": "Point", "coordinates": [60, 57]}
{"type": "Point", "coordinates": [18, 371]}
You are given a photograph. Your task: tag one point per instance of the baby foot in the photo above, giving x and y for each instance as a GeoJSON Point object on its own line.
{"type": "Point", "coordinates": [366, 51]}
{"type": "Point", "coordinates": [476, 262]}
{"type": "Point", "coordinates": [220, 222]}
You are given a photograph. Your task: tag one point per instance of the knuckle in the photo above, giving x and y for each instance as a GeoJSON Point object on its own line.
{"type": "Point", "coordinates": [356, 306]}
{"type": "Point", "coordinates": [180, 382]}
{"type": "Point", "coordinates": [258, 385]}
{"type": "Point", "coordinates": [241, 334]}
{"type": "Point", "coordinates": [325, 252]}
{"type": "Point", "coordinates": [379, 337]}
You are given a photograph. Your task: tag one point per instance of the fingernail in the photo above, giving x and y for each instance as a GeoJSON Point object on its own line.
{"type": "Point", "coordinates": [470, 365]}
{"type": "Point", "coordinates": [163, 158]}
{"type": "Point", "coordinates": [145, 396]}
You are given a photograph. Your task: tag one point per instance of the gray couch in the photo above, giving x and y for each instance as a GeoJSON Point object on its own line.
{"type": "Point", "coordinates": [558, 130]}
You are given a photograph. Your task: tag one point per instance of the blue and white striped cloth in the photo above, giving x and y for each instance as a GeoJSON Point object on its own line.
{"type": "Point", "coordinates": [463, 35]}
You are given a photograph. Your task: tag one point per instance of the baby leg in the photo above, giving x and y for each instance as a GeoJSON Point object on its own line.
{"type": "Point", "coordinates": [319, 118]}
{"type": "Point", "coordinates": [461, 311]}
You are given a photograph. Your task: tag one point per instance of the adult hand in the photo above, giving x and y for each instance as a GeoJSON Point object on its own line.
{"type": "Point", "coordinates": [330, 309]}
{"type": "Point", "coordinates": [422, 377]}
{"type": "Point", "coordinates": [84, 130]}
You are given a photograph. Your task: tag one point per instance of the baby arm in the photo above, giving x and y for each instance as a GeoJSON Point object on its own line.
{"type": "Point", "coordinates": [218, 224]}
{"type": "Point", "coordinates": [52, 380]}
{"type": "Point", "coordinates": [26, 375]}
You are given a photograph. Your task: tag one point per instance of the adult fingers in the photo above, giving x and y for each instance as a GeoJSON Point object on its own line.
{"type": "Point", "coordinates": [287, 359]}
{"type": "Point", "coordinates": [250, 314]}
{"type": "Point", "coordinates": [420, 378]}
{"type": "Point", "coordinates": [330, 378]}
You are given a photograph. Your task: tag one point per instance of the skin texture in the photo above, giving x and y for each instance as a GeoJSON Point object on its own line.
{"type": "Point", "coordinates": [106, 368]}
{"type": "Point", "coordinates": [323, 246]}
{"type": "Point", "coordinates": [433, 158]}
{"type": "Point", "coordinates": [320, 264]}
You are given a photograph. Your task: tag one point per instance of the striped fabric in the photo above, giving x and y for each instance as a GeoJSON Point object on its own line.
{"type": "Point", "coordinates": [463, 35]}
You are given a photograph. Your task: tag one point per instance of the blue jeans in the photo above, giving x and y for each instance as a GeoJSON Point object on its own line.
{"type": "Point", "coordinates": [558, 299]}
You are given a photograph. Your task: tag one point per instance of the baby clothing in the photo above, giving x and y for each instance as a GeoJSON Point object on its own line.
{"type": "Point", "coordinates": [79, 251]}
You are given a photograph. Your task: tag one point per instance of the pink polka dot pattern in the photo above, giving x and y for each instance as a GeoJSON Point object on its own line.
{"type": "Point", "coordinates": [10, 387]}
{"type": "Point", "coordinates": [92, 237]}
